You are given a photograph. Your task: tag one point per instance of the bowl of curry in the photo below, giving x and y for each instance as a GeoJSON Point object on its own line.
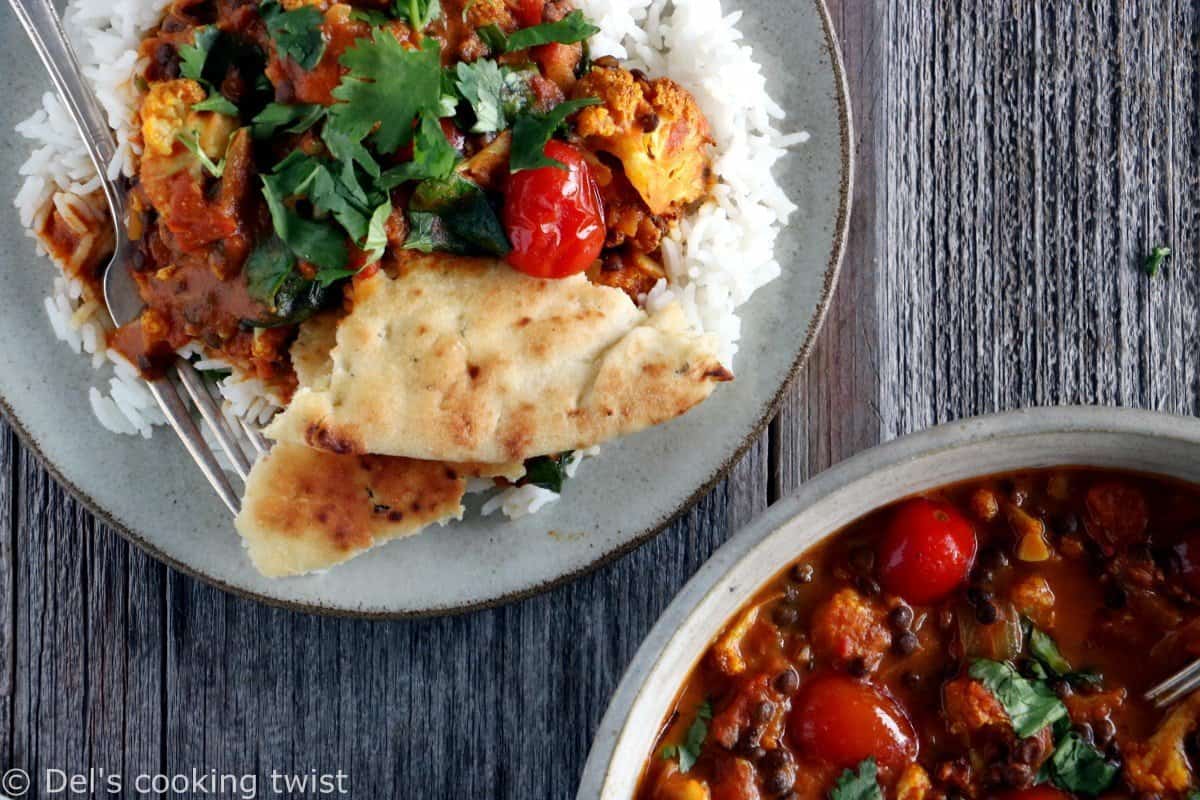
{"type": "Point", "coordinates": [971, 612]}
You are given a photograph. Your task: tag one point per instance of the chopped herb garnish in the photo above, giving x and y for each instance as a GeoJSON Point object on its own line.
{"type": "Point", "coordinates": [387, 88]}
{"type": "Point", "coordinates": [1050, 661]}
{"type": "Point", "coordinates": [688, 751]}
{"type": "Point", "coordinates": [549, 472]}
{"type": "Point", "coordinates": [217, 102]}
{"type": "Point", "coordinates": [316, 242]}
{"type": "Point", "coordinates": [290, 118]}
{"type": "Point", "coordinates": [1031, 705]}
{"type": "Point", "coordinates": [456, 216]}
{"type": "Point", "coordinates": [193, 56]}
{"type": "Point", "coordinates": [272, 280]}
{"type": "Point", "coordinates": [496, 94]}
{"type": "Point", "coordinates": [1079, 767]}
{"type": "Point", "coordinates": [297, 33]}
{"type": "Point", "coordinates": [574, 27]}
{"type": "Point", "coordinates": [371, 16]}
{"type": "Point", "coordinates": [418, 13]}
{"type": "Point", "coordinates": [531, 132]}
{"type": "Point", "coordinates": [433, 156]}
{"type": "Point", "coordinates": [191, 140]}
{"type": "Point", "coordinates": [1155, 259]}
{"type": "Point", "coordinates": [860, 785]}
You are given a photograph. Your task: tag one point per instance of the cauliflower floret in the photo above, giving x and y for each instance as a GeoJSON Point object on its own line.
{"type": "Point", "coordinates": [657, 131]}
{"type": "Point", "coordinates": [165, 112]}
{"type": "Point", "coordinates": [970, 707]}
{"type": "Point", "coordinates": [849, 627]}
{"type": "Point", "coordinates": [914, 783]}
{"type": "Point", "coordinates": [1160, 764]}
{"type": "Point", "coordinates": [1034, 598]}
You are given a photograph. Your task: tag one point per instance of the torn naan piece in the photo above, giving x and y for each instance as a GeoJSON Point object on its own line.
{"type": "Point", "coordinates": [468, 360]}
{"type": "Point", "coordinates": [306, 510]}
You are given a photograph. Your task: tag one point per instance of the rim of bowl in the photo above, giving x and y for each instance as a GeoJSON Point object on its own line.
{"type": "Point", "coordinates": [841, 227]}
{"type": "Point", "coordinates": [905, 466]}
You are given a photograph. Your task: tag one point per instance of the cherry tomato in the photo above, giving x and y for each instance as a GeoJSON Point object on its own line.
{"type": "Point", "coordinates": [554, 217]}
{"type": "Point", "coordinates": [927, 551]}
{"type": "Point", "coordinates": [842, 721]}
{"type": "Point", "coordinates": [1042, 792]}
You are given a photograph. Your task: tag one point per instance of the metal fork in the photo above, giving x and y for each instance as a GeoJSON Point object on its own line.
{"type": "Point", "coordinates": [1182, 683]}
{"type": "Point", "coordinates": [45, 30]}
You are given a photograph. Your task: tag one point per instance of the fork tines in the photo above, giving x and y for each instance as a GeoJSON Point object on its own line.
{"type": "Point", "coordinates": [1173, 688]}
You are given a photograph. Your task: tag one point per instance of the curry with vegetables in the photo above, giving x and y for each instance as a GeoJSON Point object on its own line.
{"type": "Point", "coordinates": [989, 640]}
{"type": "Point", "coordinates": [291, 148]}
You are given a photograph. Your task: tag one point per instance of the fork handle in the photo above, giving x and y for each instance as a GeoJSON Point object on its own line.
{"type": "Point", "coordinates": [45, 30]}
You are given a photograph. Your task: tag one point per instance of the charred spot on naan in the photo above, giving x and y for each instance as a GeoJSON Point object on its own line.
{"type": "Point", "coordinates": [322, 435]}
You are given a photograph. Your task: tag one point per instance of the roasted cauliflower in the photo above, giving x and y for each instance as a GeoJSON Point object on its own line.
{"type": "Point", "coordinates": [656, 130]}
{"type": "Point", "coordinates": [165, 113]}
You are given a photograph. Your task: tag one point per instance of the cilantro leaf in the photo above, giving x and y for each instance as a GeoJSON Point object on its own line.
{"type": "Point", "coordinates": [297, 33]}
{"type": "Point", "coordinates": [495, 39]}
{"type": "Point", "coordinates": [191, 140]}
{"type": "Point", "coordinates": [418, 13]}
{"type": "Point", "coordinates": [688, 751]}
{"type": "Point", "coordinates": [193, 56]}
{"type": "Point", "coordinates": [1043, 648]}
{"type": "Point", "coordinates": [496, 94]}
{"type": "Point", "coordinates": [291, 118]}
{"type": "Point", "coordinates": [427, 233]}
{"type": "Point", "coordinates": [531, 132]}
{"type": "Point", "coordinates": [376, 238]}
{"type": "Point", "coordinates": [316, 242]}
{"type": "Point", "coordinates": [346, 146]}
{"type": "Point", "coordinates": [371, 16]}
{"type": "Point", "coordinates": [339, 194]}
{"type": "Point", "coordinates": [549, 472]}
{"type": "Point", "coordinates": [1079, 767]}
{"type": "Point", "coordinates": [574, 27]}
{"type": "Point", "coordinates": [1155, 259]}
{"type": "Point", "coordinates": [273, 282]}
{"type": "Point", "coordinates": [387, 86]}
{"type": "Point", "coordinates": [860, 785]}
{"type": "Point", "coordinates": [1031, 705]}
{"type": "Point", "coordinates": [433, 156]}
{"type": "Point", "coordinates": [216, 102]}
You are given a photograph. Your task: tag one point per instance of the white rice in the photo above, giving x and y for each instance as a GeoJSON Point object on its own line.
{"type": "Point", "coordinates": [716, 259]}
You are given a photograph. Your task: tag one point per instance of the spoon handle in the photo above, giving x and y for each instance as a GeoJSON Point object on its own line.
{"type": "Point", "coordinates": [44, 28]}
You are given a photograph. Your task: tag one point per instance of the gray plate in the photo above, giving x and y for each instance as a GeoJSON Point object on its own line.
{"type": "Point", "coordinates": [152, 494]}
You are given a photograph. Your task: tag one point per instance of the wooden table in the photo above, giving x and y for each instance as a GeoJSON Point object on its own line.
{"type": "Point", "coordinates": [1016, 162]}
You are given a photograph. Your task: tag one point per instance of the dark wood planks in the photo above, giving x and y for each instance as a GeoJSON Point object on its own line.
{"type": "Point", "coordinates": [1015, 163]}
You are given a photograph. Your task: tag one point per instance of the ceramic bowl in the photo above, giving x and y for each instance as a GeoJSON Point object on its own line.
{"type": "Point", "coordinates": [1101, 437]}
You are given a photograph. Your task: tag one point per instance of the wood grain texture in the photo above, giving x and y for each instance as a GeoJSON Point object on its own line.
{"type": "Point", "coordinates": [1015, 163]}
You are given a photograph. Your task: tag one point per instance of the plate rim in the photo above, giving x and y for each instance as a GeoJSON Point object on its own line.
{"type": "Point", "coordinates": [833, 267]}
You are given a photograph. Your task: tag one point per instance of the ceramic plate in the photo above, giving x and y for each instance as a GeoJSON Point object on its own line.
{"type": "Point", "coordinates": [1101, 437]}
{"type": "Point", "coordinates": [151, 492]}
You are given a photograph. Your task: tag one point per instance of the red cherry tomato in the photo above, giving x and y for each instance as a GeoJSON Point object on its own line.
{"type": "Point", "coordinates": [554, 217]}
{"type": "Point", "coordinates": [842, 721]}
{"type": "Point", "coordinates": [927, 551]}
{"type": "Point", "coordinates": [1042, 792]}
{"type": "Point", "coordinates": [529, 12]}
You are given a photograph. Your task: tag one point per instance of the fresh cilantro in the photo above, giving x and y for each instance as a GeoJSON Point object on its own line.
{"type": "Point", "coordinates": [376, 239]}
{"type": "Point", "coordinates": [574, 27]}
{"type": "Point", "coordinates": [531, 132]}
{"type": "Point", "coordinates": [496, 94]}
{"type": "Point", "coordinates": [386, 89]}
{"type": "Point", "coordinates": [216, 102]}
{"type": "Point", "coordinates": [1155, 259]}
{"type": "Point", "coordinates": [315, 242]}
{"type": "Point", "coordinates": [433, 156]}
{"type": "Point", "coordinates": [193, 56]}
{"type": "Point", "coordinates": [549, 472]}
{"type": "Point", "coordinates": [1050, 661]}
{"type": "Point", "coordinates": [1078, 767]}
{"type": "Point", "coordinates": [493, 37]}
{"type": "Point", "coordinates": [191, 140]}
{"type": "Point", "coordinates": [371, 16]}
{"type": "Point", "coordinates": [285, 295]}
{"type": "Point", "coordinates": [1031, 705]}
{"type": "Point", "coordinates": [860, 785]}
{"type": "Point", "coordinates": [418, 13]}
{"type": "Point", "coordinates": [466, 222]}
{"type": "Point", "coordinates": [331, 190]}
{"type": "Point", "coordinates": [297, 33]}
{"type": "Point", "coordinates": [346, 146]}
{"type": "Point", "coordinates": [289, 118]}
{"type": "Point", "coordinates": [688, 751]}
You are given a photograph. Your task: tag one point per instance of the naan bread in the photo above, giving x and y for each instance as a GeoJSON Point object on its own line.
{"type": "Point", "coordinates": [459, 359]}
{"type": "Point", "coordinates": [306, 510]}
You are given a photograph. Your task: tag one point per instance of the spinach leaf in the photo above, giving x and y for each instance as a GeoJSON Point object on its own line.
{"type": "Point", "coordinates": [1031, 705]}
{"type": "Point", "coordinates": [549, 472]}
{"type": "Point", "coordinates": [1050, 660]}
{"type": "Point", "coordinates": [290, 118]}
{"type": "Point", "coordinates": [286, 296]}
{"type": "Point", "coordinates": [467, 222]}
{"type": "Point", "coordinates": [315, 242]}
{"type": "Point", "coordinates": [860, 785]}
{"type": "Point", "coordinates": [297, 33]}
{"type": "Point", "coordinates": [574, 27]}
{"type": "Point", "coordinates": [531, 132]}
{"type": "Point", "coordinates": [216, 102]}
{"type": "Point", "coordinates": [1079, 767]}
